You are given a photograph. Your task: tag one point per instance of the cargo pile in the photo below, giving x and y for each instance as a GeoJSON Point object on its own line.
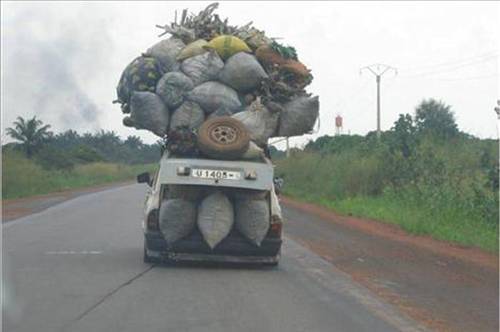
{"type": "Point", "coordinates": [212, 90]}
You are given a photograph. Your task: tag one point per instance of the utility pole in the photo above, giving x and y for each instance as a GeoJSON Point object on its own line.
{"type": "Point", "coordinates": [287, 148]}
{"type": "Point", "coordinates": [378, 70]}
{"type": "Point", "coordinates": [497, 110]}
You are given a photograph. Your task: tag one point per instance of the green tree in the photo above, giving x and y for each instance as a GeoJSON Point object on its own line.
{"type": "Point", "coordinates": [108, 143]}
{"type": "Point", "coordinates": [334, 144]}
{"type": "Point", "coordinates": [66, 140]}
{"type": "Point", "coordinates": [31, 133]}
{"type": "Point", "coordinates": [403, 136]}
{"type": "Point", "coordinates": [436, 119]}
{"type": "Point", "coordinates": [85, 154]}
{"type": "Point", "coordinates": [133, 142]}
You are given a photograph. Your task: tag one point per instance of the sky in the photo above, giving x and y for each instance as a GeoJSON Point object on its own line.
{"type": "Point", "coordinates": [61, 61]}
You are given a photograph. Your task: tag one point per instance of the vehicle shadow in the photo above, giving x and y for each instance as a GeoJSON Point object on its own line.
{"type": "Point", "coordinates": [215, 265]}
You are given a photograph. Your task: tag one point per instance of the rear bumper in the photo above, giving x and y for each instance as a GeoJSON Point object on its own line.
{"type": "Point", "coordinates": [234, 249]}
{"type": "Point", "coordinates": [182, 257]}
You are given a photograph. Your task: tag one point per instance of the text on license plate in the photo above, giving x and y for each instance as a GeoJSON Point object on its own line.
{"type": "Point", "coordinates": [215, 174]}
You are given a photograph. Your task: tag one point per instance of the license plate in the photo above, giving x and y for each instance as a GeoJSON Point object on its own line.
{"type": "Point", "coordinates": [215, 174]}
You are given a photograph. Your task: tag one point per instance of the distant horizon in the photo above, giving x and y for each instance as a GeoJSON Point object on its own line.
{"type": "Point", "coordinates": [11, 140]}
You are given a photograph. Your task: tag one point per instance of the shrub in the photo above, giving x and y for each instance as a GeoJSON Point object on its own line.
{"type": "Point", "coordinates": [85, 154]}
{"type": "Point", "coordinates": [51, 158]}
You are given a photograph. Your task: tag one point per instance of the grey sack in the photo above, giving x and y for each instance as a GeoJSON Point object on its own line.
{"type": "Point", "coordinates": [215, 218]}
{"type": "Point", "coordinates": [147, 111]}
{"type": "Point", "coordinates": [242, 72]}
{"type": "Point", "coordinates": [189, 115]}
{"type": "Point", "coordinates": [260, 122]}
{"type": "Point", "coordinates": [214, 95]}
{"type": "Point", "coordinates": [166, 52]}
{"type": "Point", "coordinates": [173, 87]}
{"type": "Point", "coordinates": [177, 219]}
{"type": "Point", "coordinates": [252, 219]}
{"type": "Point", "coordinates": [298, 116]}
{"type": "Point", "coordinates": [202, 68]}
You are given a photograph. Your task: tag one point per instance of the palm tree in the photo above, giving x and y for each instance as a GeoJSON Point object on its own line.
{"type": "Point", "coordinates": [31, 133]}
{"type": "Point", "coordinates": [133, 142]}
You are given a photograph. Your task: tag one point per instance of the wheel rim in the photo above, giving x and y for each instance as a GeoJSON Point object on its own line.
{"type": "Point", "coordinates": [224, 134]}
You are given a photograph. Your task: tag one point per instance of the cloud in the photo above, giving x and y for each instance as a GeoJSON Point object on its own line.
{"type": "Point", "coordinates": [48, 67]}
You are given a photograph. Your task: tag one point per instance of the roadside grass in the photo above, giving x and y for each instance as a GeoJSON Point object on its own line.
{"type": "Point", "coordinates": [450, 202]}
{"type": "Point", "coordinates": [22, 177]}
{"type": "Point", "coordinates": [446, 224]}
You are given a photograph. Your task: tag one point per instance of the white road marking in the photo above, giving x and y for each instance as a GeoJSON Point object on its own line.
{"type": "Point", "coordinates": [71, 252]}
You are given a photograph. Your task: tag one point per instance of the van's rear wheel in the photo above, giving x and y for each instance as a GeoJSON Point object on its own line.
{"type": "Point", "coordinates": [148, 259]}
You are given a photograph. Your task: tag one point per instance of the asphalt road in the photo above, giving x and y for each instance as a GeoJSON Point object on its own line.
{"type": "Point", "coordinates": [77, 266]}
{"type": "Point", "coordinates": [443, 291]}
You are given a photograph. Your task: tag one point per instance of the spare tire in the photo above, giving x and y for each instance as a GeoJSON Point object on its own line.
{"type": "Point", "coordinates": [223, 137]}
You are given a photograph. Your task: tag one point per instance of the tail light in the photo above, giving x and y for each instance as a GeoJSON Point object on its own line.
{"type": "Point", "coordinates": [152, 221]}
{"type": "Point", "coordinates": [275, 230]}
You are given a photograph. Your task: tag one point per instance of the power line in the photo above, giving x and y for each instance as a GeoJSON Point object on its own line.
{"type": "Point", "coordinates": [469, 78]}
{"type": "Point", "coordinates": [452, 62]}
{"type": "Point", "coordinates": [454, 68]}
{"type": "Point", "coordinates": [341, 102]}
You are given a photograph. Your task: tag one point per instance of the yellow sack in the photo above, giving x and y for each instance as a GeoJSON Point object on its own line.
{"type": "Point", "coordinates": [226, 46]}
{"type": "Point", "coordinates": [192, 49]}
